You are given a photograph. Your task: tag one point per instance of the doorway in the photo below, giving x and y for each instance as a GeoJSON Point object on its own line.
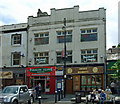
{"type": "Point", "coordinates": [42, 81]}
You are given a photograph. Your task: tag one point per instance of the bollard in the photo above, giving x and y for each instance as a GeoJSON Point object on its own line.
{"type": "Point", "coordinates": [87, 100]}
{"type": "Point", "coordinates": [58, 95]}
{"type": "Point", "coordinates": [39, 99]}
{"type": "Point", "coordinates": [78, 98]}
{"type": "Point", "coordinates": [61, 94]}
{"type": "Point", "coordinates": [55, 96]}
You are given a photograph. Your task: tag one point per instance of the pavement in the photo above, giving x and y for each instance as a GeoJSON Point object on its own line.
{"type": "Point", "coordinates": [50, 99]}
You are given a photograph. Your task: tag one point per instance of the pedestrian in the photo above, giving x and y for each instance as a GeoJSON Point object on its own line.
{"type": "Point", "coordinates": [93, 97]}
{"type": "Point", "coordinates": [112, 85]}
{"type": "Point", "coordinates": [108, 90]}
{"type": "Point", "coordinates": [102, 97]}
{"type": "Point", "coordinates": [37, 90]}
{"type": "Point", "coordinates": [118, 87]}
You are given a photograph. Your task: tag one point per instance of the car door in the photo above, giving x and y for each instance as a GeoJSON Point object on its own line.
{"type": "Point", "coordinates": [24, 95]}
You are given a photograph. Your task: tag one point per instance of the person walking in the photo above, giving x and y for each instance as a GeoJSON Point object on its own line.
{"type": "Point", "coordinates": [102, 97]}
{"type": "Point", "coordinates": [112, 85]}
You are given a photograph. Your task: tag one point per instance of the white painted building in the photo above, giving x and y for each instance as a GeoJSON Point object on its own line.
{"type": "Point", "coordinates": [85, 43]}
{"type": "Point", "coordinates": [14, 50]}
{"type": "Point", "coordinates": [86, 36]}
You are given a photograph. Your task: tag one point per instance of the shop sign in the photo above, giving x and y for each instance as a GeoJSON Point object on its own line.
{"type": "Point", "coordinates": [6, 74]}
{"type": "Point", "coordinates": [84, 70]}
{"type": "Point", "coordinates": [40, 71]}
{"type": "Point", "coordinates": [112, 65]}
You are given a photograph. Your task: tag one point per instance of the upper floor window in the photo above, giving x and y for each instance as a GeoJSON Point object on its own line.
{"type": "Point", "coordinates": [60, 36]}
{"type": "Point", "coordinates": [89, 55]}
{"type": "Point", "coordinates": [41, 38]}
{"type": "Point", "coordinates": [60, 57]}
{"type": "Point", "coordinates": [16, 39]}
{"type": "Point", "coordinates": [89, 35]}
{"type": "Point", "coordinates": [41, 58]}
{"type": "Point", "coordinates": [16, 58]}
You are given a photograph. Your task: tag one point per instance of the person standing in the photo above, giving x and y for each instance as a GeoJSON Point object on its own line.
{"type": "Point", "coordinates": [102, 97]}
{"type": "Point", "coordinates": [112, 85]}
{"type": "Point", "coordinates": [93, 97]}
{"type": "Point", "coordinates": [37, 90]}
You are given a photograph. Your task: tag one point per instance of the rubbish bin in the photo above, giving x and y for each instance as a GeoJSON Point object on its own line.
{"type": "Point", "coordinates": [78, 98]}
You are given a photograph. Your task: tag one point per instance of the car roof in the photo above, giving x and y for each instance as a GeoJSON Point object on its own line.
{"type": "Point", "coordinates": [16, 86]}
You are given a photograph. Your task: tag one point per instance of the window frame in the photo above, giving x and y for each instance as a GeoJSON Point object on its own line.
{"type": "Point", "coordinates": [41, 38]}
{"type": "Point", "coordinates": [91, 56]}
{"type": "Point", "coordinates": [89, 34]}
{"type": "Point", "coordinates": [13, 39]}
{"type": "Point", "coordinates": [40, 56]}
{"type": "Point", "coordinates": [12, 55]}
{"type": "Point", "coordinates": [62, 34]}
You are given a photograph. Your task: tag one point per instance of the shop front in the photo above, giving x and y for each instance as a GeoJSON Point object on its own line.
{"type": "Point", "coordinates": [43, 75]}
{"type": "Point", "coordinates": [111, 68]}
{"type": "Point", "coordinates": [85, 78]}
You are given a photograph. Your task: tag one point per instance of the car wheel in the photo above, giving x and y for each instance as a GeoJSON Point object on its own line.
{"type": "Point", "coordinates": [15, 102]}
{"type": "Point", "coordinates": [32, 99]}
{"type": "Point", "coordinates": [29, 102]}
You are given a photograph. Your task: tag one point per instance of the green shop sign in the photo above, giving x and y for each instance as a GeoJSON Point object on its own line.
{"type": "Point", "coordinates": [41, 70]}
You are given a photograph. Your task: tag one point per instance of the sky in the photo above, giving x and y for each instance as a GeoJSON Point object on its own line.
{"type": "Point", "coordinates": [17, 11]}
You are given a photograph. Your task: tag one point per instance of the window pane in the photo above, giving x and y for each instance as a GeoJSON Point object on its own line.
{"type": "Point", "coordinates": [89, 31]}
{"type": "Point", "coordinates": [82, 31]}
{"type": "Point", "coordinates": [58, 33]}
{"type": "Point", "coordinates": [89, 37]}
{"type": "Point", "coordinates": [88, 51]}
{"type": "Point", "coordinates": [16, 39]}
{"type": "Point", "coordinates": [70, 32]}
{"type": "Point", "coordinates": [84, 80]}
{"type": "Point", "coordinates": [93, 79]}
{"type": "Point", "coordinates": [98, 79]}
{"type": "Point", "coordinates": [82, 51]}
{"type": "Point", "coordinates": [94, 30]}
{"type": "Point", "coordinates": [89, 80]}
{"type": "Point", "coordinates": [95, 51]}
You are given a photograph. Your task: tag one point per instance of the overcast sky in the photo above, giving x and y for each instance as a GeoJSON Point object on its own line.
{"type": "Point", "coordinates": [17, 11]}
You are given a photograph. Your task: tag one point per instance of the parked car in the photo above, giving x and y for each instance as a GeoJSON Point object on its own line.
{"type": "Point", "coordinates": [15, 94]}
{"type": "Point", "coordinates": [32, 94]}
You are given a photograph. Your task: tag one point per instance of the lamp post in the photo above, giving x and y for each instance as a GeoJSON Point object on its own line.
{"type": "Point", "coordinates": [64, 71]}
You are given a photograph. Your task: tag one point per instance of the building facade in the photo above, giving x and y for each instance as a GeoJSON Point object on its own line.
{"type": "Point", "coordinates": [13, 40]}
{"type": "Point", "coordinates": [85, 45]}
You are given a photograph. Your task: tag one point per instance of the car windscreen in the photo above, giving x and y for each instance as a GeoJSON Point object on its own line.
{"type": "Point", "coordinates": [10, 90]}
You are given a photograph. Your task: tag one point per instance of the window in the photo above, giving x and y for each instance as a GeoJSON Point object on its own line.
{"type": "Point", "coordinates": [60, 58]}
{"type": "Point", "coordinates": [16, 58]}
{"type": "Point", "coordinates": [41, 38]}
{"type": "Point", "coordinates": [89, 55]}
{"type": "Point", "coordinates": [60, 36]}
{"type": "Point", "coordinates": [89, 35]}
{"type": "Point", "coordinates": [16, 39]}
{"type": "Point", "coordinates": [41, 58]}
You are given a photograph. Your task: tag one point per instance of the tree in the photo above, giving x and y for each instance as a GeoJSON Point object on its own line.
{"type": "Point", "coordinates": [117, 72]}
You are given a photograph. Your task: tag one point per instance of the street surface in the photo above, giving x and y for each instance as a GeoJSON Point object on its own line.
{"type": "Point", "coordinates": [50, 99]}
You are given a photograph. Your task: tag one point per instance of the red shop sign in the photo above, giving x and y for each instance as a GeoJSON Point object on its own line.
{"type": "Point", "coordinates": [40, 71]}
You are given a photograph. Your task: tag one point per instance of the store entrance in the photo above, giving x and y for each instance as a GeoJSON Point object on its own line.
{"type": "Point", "coordinates": [42, 81]}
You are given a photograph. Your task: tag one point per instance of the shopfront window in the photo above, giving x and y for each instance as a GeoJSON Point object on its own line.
{"type": "Point", "coordinates": [98, 79]}
{"type": "Point", "coordinates": [91, 81]}
{"type": "Point", "coordinates": [84, 80]}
